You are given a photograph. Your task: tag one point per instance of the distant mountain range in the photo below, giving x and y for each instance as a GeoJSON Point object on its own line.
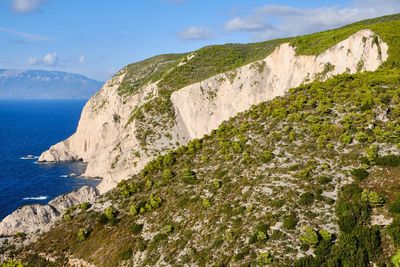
{"type": "Point", "coordinates": [42, 84]}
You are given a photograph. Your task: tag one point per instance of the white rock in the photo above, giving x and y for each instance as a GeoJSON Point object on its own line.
{"type": "Point", "coordinates": [32, 218]}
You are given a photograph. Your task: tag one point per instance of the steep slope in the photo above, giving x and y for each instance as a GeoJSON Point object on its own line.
{"type": "Point", "coordinates": [41, 84]}
{"type": "Point", "coordinates": [309, 178]}
{"type": "Point", "coordinates": [274, 184]}
{"type": "Point", "coordinates": [118, 134]}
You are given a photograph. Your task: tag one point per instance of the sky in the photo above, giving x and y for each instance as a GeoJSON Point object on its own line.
{"type": "Point", "coordinates": [96, 38]}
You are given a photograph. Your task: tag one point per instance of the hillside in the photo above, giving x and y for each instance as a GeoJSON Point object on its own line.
{"type": "Point", "coordinates": [282, 153]}
{"type": "Point", "coordinates": [41, 84]}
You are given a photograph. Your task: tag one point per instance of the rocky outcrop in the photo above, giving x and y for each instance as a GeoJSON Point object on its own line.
{"type": "Point", "coordinates": [33, 218]}
{"type": "Point", "coordinates": [106, 140]}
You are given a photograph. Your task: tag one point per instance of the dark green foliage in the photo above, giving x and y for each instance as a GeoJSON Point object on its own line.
{"type": "Point", "coordinates": [290, 221]}
{"type": "Point", "coordinates": [394, 230]}
{"type": "Point", "coordinates": [306, 199]}
{"type": "Point", "coordinates": [82, 234]}
{"type": "Point", "coordinates": [267, 156]}
{"type": "Point", "coordinates": [136, 228]}
{"type": "Point", "coordinates": [388, 160]}
{"type": "Point", "coordinates": [395, 205]}
{"type": "Point", "coordinates": [109, 216]}
{"type": "Point", "coordinates": [260, 233]}
{"type": "Point", "coordinates": [359, 174]}
{"type": "Point", "coordinates": [188, 176]}
{"type": "Point", "coordinates": [126, 254]}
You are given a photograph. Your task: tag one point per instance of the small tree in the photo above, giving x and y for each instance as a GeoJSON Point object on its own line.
{"type": "Point", "coordinates": [82, 234]}
{"type": "Point", "coordinates": [309, 236]}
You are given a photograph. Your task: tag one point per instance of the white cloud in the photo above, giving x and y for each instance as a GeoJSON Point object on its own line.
{"type": "Point", "coordinates": [274, 21]}
{"type": "Point", "coordinates": [196, 33]}
{"type": "Point", "coordinates": [24, 35]}
{"type": "Point", "coordinates": [81, 59]}
{"type": "Point", "coordinates": [244, 24]}
{"type": "Point", "coordinates": [49, 59]}
{"type": "Point", "coordinates": [26, 6]}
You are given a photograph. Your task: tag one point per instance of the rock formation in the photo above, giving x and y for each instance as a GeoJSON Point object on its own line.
{"type": "Point", "coordinates": [33, 218]}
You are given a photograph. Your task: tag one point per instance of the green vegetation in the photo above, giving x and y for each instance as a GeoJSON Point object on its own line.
{"type": "Point", "coordinates": [304, 161]}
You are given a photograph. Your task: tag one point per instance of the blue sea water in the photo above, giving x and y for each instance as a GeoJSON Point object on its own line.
{"type": "Point", "coordinates": [29, 128]}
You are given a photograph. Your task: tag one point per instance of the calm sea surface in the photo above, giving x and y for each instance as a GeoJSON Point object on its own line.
{"type": "Point", "coordinates": [28, 128]}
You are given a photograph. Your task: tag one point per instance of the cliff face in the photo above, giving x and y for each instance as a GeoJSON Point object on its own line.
{"type": "Point", "coordinates": [106, 139]}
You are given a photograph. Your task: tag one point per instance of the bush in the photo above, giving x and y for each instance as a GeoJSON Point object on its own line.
{"type": "Point", "coordinates": [372, 198]}
{"type": "Point", "coordinates": [85, 206]}
{"type": "Point", "coordinates": [188, 176]}
{"type": "Point", "coordinates": [82, 234]}
{"type": "Point", "coordinates": [306, 199]}
{"type": "Point", "coordinates": [109, 216]}
{"type": "Point", "coordinates": [260, 233]}
{"type": "Point", "coordinates": [394, 231]}
{"type": "Point", "coordinates": [290, 221]}
{"type": "Point", "coordinates": [359, 174]}
{"type": "Point", "coordinates": [395, 205]}
{"type": "Point", "coordinates": [309, 236]}
{"type": "Point", "coordinates": [167, 175]}
{"type": "Point", "coordinates": [361, 137]}
{"type": "Point", "coordinates": [136, 228]}
{"type": "Point", "coordinates": [324, 179]}
{"type": "Point", "coordinates": [207, 203]}
{"type": "Point", "coordinates": [388, 160]}
{"type": "Point", "coordinates": [126, 254]}
{"type": "Point", "coordinates": [395, 260]}
{"type": "Point", "coordinates": [267, 156]}
{"type": "Point", "coordinates": [264, 259]}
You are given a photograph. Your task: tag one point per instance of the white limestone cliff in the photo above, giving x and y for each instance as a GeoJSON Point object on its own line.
{"type": "Point", "coordinates": [106, 140]}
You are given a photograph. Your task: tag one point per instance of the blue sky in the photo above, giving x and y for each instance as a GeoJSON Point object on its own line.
{"type": "Point", "coordinates": [98, 37]}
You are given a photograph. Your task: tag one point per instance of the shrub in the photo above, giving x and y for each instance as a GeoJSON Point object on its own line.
{"type": "Point", "coordinates": [109, 215]}
{"type": "Point", "coordinates": [136, 228]}
{"type": "Point", "coordinates": [394, 231]}
{"type": "Point", "coordinates": [324, 179]}
{"type": "Point", "coordinates": [264, 259]}
{"type": "Point", "coordinates": [126, 254]}
{"type": "Point", "coordinates": [372, 198]}
{"type": "Point", "coordinates": [325, 235]}
{"type": "Point", "coordinates": [267, 156]}
{"type": "Point", "coordinates": [361, 137]}
{"type": "Point", "coordinates": [395, 205]}
{"type": "Point", "coordinates": [133, 210]}
{"type": "Point", "coordinates": [290, 221]}
{"type": "Point", "coordinates": [260, 233]}
{"type": "Point", "coordinates": [395, 260]}
{"type": "Point", "coordinates": [388, 160]}
{"type": "Point", "coordinates": [346, 139]}
{"type": "Point", "coordinates": [309, 236]}
{"type": "Point", "coordinates": [9, 263]}
{"type": "Point", "coordinates": [372, 152]}
{"type": "Point", "coordinates": [306, 199]}
{"type": "Point", "coordinates": [359, 174]}
{"type": "Point", "coordinates": [85, 206]}
{"type": "Point", "coordinates": [82, 234]}
{"type": "Point", "coordinates": [207, 203]}
{"type": "Point", "coordinates": [167, 175]}
{"type": "Point", "coordinates": [217, 184]}
{"type": "Point", "coordinates": [188, 176]}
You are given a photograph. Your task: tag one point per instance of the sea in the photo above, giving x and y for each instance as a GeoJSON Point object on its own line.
{"type": "Point", "coordinates": [27, 128]}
